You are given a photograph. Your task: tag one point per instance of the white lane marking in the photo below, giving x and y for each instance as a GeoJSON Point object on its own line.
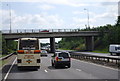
{"type": "Point", "coordinates": [78, 70]}
{"type": "Point", "coordinates": [96, 64]}
{"type": "Point", "coordinates": [9, 70]}
{"type": "Point", "coordinates": [2, 67]}
{"type": "Point", "coordinates": [46, 71]}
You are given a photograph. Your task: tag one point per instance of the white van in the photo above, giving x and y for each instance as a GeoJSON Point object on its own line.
{"type": "Point", "coordinates": [114, 49]}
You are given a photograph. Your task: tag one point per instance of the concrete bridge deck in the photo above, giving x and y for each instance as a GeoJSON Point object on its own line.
{"type": "Point", "coordinates": [52, 34]}
{"type": "Point", "coordinates": [57, 33]}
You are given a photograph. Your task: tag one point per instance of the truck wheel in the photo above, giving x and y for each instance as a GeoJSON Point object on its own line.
{"type": "Point", "coordinates": [52, 64]}
{"type": "Point", "coordinates": [117, 54]}
{"type": "Point", "coordinates": [55, 65]}
{"type": "Point", "coordinates": [19, 68]}
{"type": "Point", "coordinates": [69, 66]}
{"type": "Point", "coordinates": [111, 54]}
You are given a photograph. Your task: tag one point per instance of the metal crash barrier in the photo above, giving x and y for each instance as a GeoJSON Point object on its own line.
{"type": "Point", "coordinates": [97, 58]}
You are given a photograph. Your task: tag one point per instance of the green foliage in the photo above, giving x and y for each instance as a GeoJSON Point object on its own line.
{"type": "Point", "coordinates": [118, 21]}
{"type": "Point", "coordinates": [4, 47]}
{"type": "Point", "coordinates": [0, 42]}
{"type": "Point", "coordinates": [71, 43]}
{"type": "Point", "coordinates": [8, 46]}
{"type": "Point", "coordinates": [110, 34]}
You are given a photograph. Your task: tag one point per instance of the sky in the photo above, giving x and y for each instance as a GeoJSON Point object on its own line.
{"type": "Point", "coordinates": [57, 14]}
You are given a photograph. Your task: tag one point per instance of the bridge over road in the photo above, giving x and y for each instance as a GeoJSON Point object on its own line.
{"type": "Point", "coordinates": [52, 34]}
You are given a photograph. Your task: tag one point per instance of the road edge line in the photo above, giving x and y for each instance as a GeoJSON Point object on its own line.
{"type": "Point", "coordinates": [9, 70]}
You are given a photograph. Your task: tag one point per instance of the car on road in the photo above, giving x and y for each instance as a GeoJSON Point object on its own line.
{"type": "Point", "coordinates": [43, 53]}
{"type": "Point", "coordinates": [44, 31]}
{"type": "Point", "coordinates": [61, 59]}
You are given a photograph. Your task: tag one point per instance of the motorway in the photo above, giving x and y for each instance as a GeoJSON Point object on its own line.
{"type": "Point", "coordinates": [92, 53]}
{"type": "Point", "coordinates": [80, 70]}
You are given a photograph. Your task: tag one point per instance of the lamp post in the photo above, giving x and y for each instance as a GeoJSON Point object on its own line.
{"type": "Point", "coordinates": [87, 16]}
{"type": "Point", "coordinates": [10, 15]}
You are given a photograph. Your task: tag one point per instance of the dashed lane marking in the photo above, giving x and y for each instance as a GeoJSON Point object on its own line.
{"type": "Point", "coordinates": [78, 70]}
{"type": "Point", "coordinates": [46, 71]}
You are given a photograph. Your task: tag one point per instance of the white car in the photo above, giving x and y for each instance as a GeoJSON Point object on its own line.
{"type": "Point", "coordinates": [61, 59]}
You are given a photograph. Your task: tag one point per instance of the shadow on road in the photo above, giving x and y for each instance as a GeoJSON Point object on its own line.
{"type": "Point", "coordinates": [58, 68]}
{"type": "Point", "coordinates": [5, 68]}
{"type": "Point", "coordinates": [15, 69]}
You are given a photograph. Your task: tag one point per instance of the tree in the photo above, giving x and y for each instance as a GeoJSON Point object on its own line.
{"type": "Point", "coordinates": [118, 21]}
{"type": "Point", "coordinates": [8, 46]}
{"type": "Point", "coordinates": [4, 46]}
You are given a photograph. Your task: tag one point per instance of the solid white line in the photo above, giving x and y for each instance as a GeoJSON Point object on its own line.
{"type": "Point", "coordinates": [96, 64]}
{"type": "Point", "coordinates": [46, 71]}
{"type": "Point", "coordinates": [9, 70]}
{"type": "Point", "coordinates": [78, 70]}
{"type": "Point", "coordinates": [2, 67]}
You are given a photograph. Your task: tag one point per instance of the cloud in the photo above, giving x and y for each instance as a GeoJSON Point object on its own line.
{"type": "Point", "coordinates": [83, 12]}
{"type": "Point", "coordinates": [46, 7]}
{"type": "Point", "coordinates": [73, 3]}
{"type": "Point", "coordinates": [31, 21]}
{"type": "Point", "coordinates": [82, 20]}
{"type": "Point", "coordinates": [108, 16]}
{"type": "Point", "coordinates": [108, 3]}
{"type": "Point", "coordinates": [45, 20]}
{"type": "Point", "coordinates": [119, 9]}
{"type": "Point", "coordinates": [78, 12]}
{"type": "Point", "coordinates": [5, 20]}
{"type": "Point", "coordinates": [54, 1]}
{"type": "Point", "coordinates": [105, 15]}
{"type": "Point", "coordinates": [97, 19]}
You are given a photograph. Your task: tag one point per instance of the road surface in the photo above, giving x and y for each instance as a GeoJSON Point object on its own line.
{"type": "Point", "coordinates": [80, 70]}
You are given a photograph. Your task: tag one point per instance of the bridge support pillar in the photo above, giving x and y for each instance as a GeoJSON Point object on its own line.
{"type": "Point", "coordinates": [90, 43]}
{"type": "Point", "coordinates": [52, 44]}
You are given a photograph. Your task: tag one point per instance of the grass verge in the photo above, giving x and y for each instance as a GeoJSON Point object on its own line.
{"type": "Point", "coordinates": [105, 50]}
{"type": "Point", "coordinates": [65, 49]}
{"type": "Point", "coordinates": [2, 55]}
{"type": "Point", "coordinates": [98, 51]}
{"type": "Point", "coordinates": [3, 62]}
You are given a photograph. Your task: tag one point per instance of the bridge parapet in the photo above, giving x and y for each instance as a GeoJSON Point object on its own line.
{"type": "Point", "coordinates": [52, 34]}
{"type": "Point", "coordinates": [43, 30]}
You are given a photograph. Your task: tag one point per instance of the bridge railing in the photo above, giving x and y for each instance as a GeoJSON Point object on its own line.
{"type": "Point", "coordinates": [39, 30]}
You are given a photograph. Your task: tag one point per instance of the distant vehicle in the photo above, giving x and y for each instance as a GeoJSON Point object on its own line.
{"type": "Point", "coordinates": [28, 54]}
{"type": "Point", "coordinates": [44, 31]}
{"type": "Point", "coordinates": [61, 59]}
{"type": "Point", "coordinates": [43, 53]}
{"type": "Point", "coordinates": [114, 49]}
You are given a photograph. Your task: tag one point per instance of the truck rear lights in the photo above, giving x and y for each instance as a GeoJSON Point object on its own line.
{"type": "Point", "coordinates": [37, 51]}
{"type": "Point", "coordinates": [20, 51]}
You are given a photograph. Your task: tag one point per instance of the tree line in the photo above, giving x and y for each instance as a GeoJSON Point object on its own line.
{"type": "Point", "coordinates": [8, 46]}
{"type": "Point", "coordinates": [101, 43]}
